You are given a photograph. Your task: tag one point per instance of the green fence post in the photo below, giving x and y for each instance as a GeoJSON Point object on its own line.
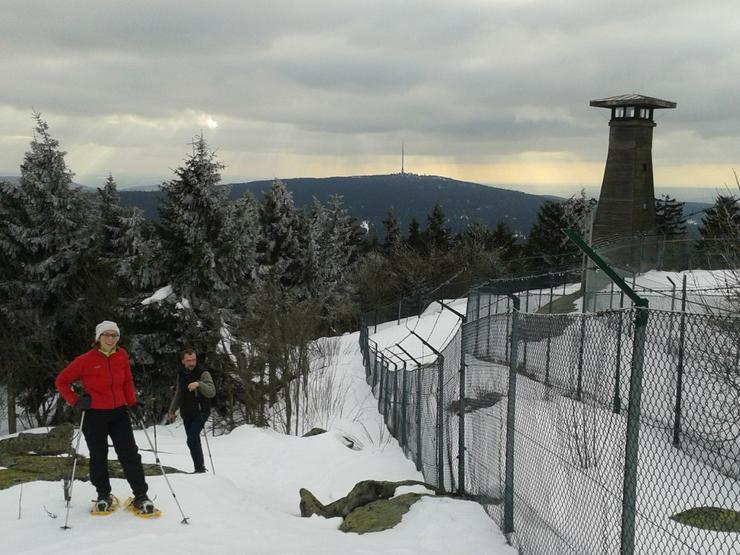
{"type": "Point", "coordinates": [394, 405]}
{"type": "Point", "coordinates": [461, 400]}
{"type": "Point", "coordinates": [508, 527]}
{"type": "Point", "coordinates": [461, 406]}
{"type": "Point", "coordinates": [549, 337]}
{"type": "Point", "coordinates": [617, 403]}
{"type": "Point", "coordinates": [629, 490]}
{"type": "Point", "coordinates": [629, 487]}
{"type": "Point", "coordinates": [417, 420]}
{"type": "Point", "coordinates": [404, 416]}
{"type": "Point", "coordinates": [477, 318]}
{"type": "Point", "coordinates": [381, 388]}
{"type": "Point", "coordinates": [579, 384]}
{"type": "Point", "coordinates": [679, 371]}
{"type": "Point", "coordinates": [440, 421]}
{"type": "Point", "coordinates": [419, 465]}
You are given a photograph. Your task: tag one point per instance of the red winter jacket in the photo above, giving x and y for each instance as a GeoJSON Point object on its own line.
{"type": "Point", "coordinates": [107, 379]}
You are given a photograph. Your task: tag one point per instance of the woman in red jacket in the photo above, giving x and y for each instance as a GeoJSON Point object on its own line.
{"type": "Point", "coordinates": [109, 390]}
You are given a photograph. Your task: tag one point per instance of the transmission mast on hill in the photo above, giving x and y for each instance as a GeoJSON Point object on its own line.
{"type": "Point", "coordinates": [402, 155]}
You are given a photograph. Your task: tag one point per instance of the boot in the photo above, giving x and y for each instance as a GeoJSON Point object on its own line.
{"type": "Point", "coordinates": [104, 503]}
{"type": "Point", "coordinates": [143, 504]}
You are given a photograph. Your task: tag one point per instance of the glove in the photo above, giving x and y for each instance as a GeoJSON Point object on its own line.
{"type": "Point", "coordinates": [137, 409]}
{"type": "Point", "coordinates": [83, 403]}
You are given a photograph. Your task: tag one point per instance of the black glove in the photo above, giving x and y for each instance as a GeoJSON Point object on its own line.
{"type": "Point", "coordinates": [137, 410]}
{"type": "Point", "coordinates": [83, 403]}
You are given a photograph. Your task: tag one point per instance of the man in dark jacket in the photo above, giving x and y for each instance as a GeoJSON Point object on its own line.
{"type": "Point", "coordinates": [193, 393]}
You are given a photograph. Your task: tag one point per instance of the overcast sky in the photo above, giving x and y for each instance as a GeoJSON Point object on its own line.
{"type": "Point", "coordinates": [484, 90]}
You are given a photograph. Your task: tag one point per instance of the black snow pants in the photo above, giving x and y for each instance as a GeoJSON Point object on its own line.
{"type": "Point", "coordinates": [98, 425]}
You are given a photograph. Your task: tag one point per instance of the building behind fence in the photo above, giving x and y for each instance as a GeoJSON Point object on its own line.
{"type": "Point", "coordinates": [531, 413]}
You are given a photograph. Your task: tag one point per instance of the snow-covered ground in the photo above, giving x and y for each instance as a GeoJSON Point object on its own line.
{"type": "Point", "coordinates": [250, 504]}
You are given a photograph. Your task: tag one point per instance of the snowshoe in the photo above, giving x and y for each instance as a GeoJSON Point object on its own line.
{"type": "Point", "coordinates": [142, 507]}
{"type": "Point", "coordinates": [105, 505]}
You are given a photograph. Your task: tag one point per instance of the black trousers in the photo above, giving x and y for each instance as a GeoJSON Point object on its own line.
{"type": "Point", "coordinates": [193, 428]}
{"type": "Point", "coordinates": [98, 425]}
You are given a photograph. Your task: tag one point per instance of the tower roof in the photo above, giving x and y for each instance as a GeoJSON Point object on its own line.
{"type": "Point", "coordinates": [637, 100]}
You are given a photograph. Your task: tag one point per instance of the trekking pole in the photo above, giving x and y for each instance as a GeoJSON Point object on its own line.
{"type": "Point", "coordinates": [155, 425]}
{"type": "Point", "coordinates": [156, 456]}
{"type": "Point", "coordinates": [205, 435]}
{"type": "Point", "coordinates": [68, 493]}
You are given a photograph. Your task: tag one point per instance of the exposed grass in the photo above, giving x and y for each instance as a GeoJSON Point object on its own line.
{"type": "Point", "coordinates": [379, 515]}
{"type": "Point", "coordinates": [710, 518]}
{"type": "Point", "coordinates": [29, 468]}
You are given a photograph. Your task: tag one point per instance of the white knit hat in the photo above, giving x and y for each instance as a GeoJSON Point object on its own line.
{"type": "Point", "coordinates": [106, 325]}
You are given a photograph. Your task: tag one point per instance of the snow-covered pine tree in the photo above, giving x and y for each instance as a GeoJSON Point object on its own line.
{"type": "Point", "coordinates": [334, 246]}
{"type": "Point", "coordinates": [669, 217]}
{"type": "Point", "coordinates": [282, 253]}
{"type": "Point", "coordinates": [393, 236]}
{"type": "Point", "coordinates": [121, 241]}
{"type": "Point", "coordinates": [193, 258]}
{"type": "Point", "coordinates": [547, 247]}
{"type": "Point", "coordinates": [193, 212]}
{"type": "Point", "coordinates": [720, 230]}
{"type": "Point", "coordinates": [438, 235]}
{"type": "Point", "coordinates": [46, 233]}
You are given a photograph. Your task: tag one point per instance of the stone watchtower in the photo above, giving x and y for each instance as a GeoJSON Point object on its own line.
{"type": "Point", "coordinates": [627, 201]}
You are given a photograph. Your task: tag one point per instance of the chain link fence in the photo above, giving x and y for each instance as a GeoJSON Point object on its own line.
{"type": "Point", "coordinates": [599, 433]}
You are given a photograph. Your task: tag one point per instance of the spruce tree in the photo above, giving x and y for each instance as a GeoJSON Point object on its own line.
{"type": "Point", "coordinates": [669, 217]}
{"type": "Point", "coordinates": [547, 247]}
{"type": "Point", "coordinates": [437, 234]}
{"type": "Point", "coordinates": [719, 244]}
{"type": "Point", "coordinates": [193, 214]}
{"type": "Point", "coordinates": [282, 253]}
{"type": "Point", "coordinates": [393, 236]}
{"type": "Point", "coordinates": [414, 240]}
{"type": "Point", "coordinates": [334, 246]}
{"type": "Point", "coordinates": [45, 243]}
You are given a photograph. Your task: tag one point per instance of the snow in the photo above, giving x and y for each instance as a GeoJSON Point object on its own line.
{"type": "Point", "coordinates": [437, 325]}
{"type": "Point", "coordinates": [251, 503]}
{"type": "Point", "coordinates": [158, 295]}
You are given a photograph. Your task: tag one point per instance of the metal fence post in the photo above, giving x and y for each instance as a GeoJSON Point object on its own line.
{"type": "Point", "coordinates": [381, 389]}
{"type": "Point", "coordinates": [629, 487]}
{"type": "Point", "coordinates": [404, 417]}
{"type": "Point", "coordinates": [508, 527]}
{"type": "Point", "coordinates": [679, 371]}
{"type": "Point", "coordinates": [629, 490]}
{"type": "Point", "coordinates": [461, 406]}
{"type": "Point", "coordinates": [461, 401]}
{"type": "Point", "coordinates": [418, 418]}
{"type": "Point", "coordinates": [579, 385]}
{"type": "Point", "coordinates": [477, 328]}
{"type": "Point", "coordinates": [440, 421]}
{"type": "Point", "coordinates": [375, 366]}
{"type": "Point", "coordinates": [617, 402]}
{"type": "Point", "coordinates": [394, 404]}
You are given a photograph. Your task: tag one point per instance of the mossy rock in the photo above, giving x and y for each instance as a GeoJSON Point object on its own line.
{"type": "Point", "coordinates": [379, 515]}
{"type": "Point", "coordinates": [314, 432]}
{"type": "Point", "coordinates": [55, 442]}
{"type": "Point", "coordinates": [29, 468]}
{"type": "Point", "coordinates": [361, 494]}
{"type": "Point", "coordinates": [710, 518]}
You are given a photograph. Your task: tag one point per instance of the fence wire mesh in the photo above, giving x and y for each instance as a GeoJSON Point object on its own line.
{"type": "Point", "coordinates": [570, 427]}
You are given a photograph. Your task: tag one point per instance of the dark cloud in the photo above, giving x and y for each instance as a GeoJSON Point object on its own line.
{"type": "Point", "coordinates": [465, 78]}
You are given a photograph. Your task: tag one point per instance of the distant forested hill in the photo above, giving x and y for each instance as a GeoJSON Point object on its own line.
{"type": "Point", "coordinates": [369, 198]}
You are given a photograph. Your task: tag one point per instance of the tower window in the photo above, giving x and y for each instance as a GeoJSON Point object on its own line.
{"type": "Point", "coordinates": [645, 113]}
{"type": "Point", "coordinates": [629, 112]}
{"type": "Point", "coordinates": [619, 112]}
